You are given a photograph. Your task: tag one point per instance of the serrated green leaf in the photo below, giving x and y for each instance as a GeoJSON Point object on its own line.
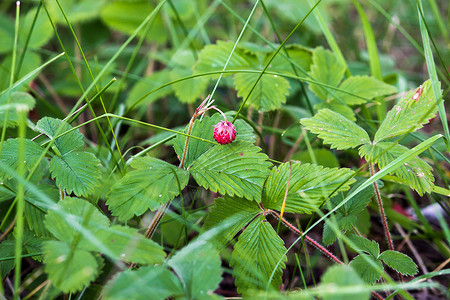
{"type": "Point", "coordinates": [400, 262]}
{"type": "Point", "coordinates": [139, 284]}
{"type": "Point", "coordinates": [32, 244]}
{"type": "Point", "coordinates": [126, 16]}
{"type": "Point", "coordinates": [153, 183]}
{"type": "Point", "coordinates": [365, 87]}
{"type": "Point", "coordinates": [147, 84]}
{"type": "Point", "coordinates": [9, 155]}
{"type": "Point", "coordinates": [35, 212]}
{"type": "Point", "coordinates": [69, 270]}
{"type": "Point", "coordinates": [127, 244]}
{"type": "Point", "coordinates": [66, 143]}
{"type": "Point", "coordinates": [233, 211]}
{"type": "Point", "coordinates": [256, 255]}
{"type": "Point", "coordinates": [77, 172]}
{"type": "Point", "coordinates": [234, 169]}
{"type": "Point", "coordinates": [325, 69]}
{"type": "Point", "coordinates": [73, 210]}
{"type": "Point", "coordinates": [205, 130]}
{"type": "Point", "coordinates": [269, 93]}
{"type": "Point", "coordinates": [213, 58]}
{"type": "Point", "coordinates": [309, 186]}
{"type": "Point", "coordinates": [7, 249]}
{"type": "Point", "coordinates": [35, 220]}
{"type": "Point", "coordinates": [409, 114]}
{"type": "Point", "coordinates": [198, 266]}
{"type": "Point", "coordinates": [365, 270]}
{"type": "Point", "coordinates": [416, 173]}
{"type": "Point", "coordinates": [336, 130]}
{"type": "Point", "coordinates": [341, 276]}
{"type": "Point", "coordinates": [366, 245]}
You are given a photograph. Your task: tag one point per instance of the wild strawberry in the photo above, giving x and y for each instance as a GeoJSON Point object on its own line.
{"type": "Point", "coordinates": [224, 132]}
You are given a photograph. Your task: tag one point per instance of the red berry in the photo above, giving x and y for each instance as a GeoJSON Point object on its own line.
{"type": "Point", "coordinates": [224, 132]}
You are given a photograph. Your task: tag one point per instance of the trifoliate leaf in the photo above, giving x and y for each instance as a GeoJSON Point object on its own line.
{"type": "Point", "coordinates": [400, 262]}
{"type": "Point", "coordinates": [68, 269]}
{"type": "Point", "coordinates": [154, 281]}
{"type": "Point", "coordinates": [9, 155]}
{"type": "Point", "coordinates": [269, 93]}
{"type": "Point", "coordinates": [256, 254]}
{"type": "Point", "coordinates": [153, 183]}
{"type": "Point", "coordinates": [233, 213]}
{"type": "Point", "coordinates": [127, 244]}
{"type": "Point", "coordinates": [204, 129]}
{"type": "Point", "coordinates": [366, 245]}
{"type": "Point", "coordinates": [342, 276]}
{"type": "Point", "coordinates": [309, 186]}
{"type": "Point", "coordinates": [146, 85]}
{"type": "Point", "coordinates": [325, 69]}
{"type": "Point", "coordinates": [78, 172]}
{"type": "Point", "coordinates": [336, 130]}
{"type": "Point", "coordinates": [367, 272]}
{"type": "Point", "coordinates": [365, 87]}
{"type": "Point", "coordinates": [198, 266]}
{"type": "Point", "coordinates": [214, 57]}
{"type": "Point", "coordinates": [234, 169]}
{"type": "Point", "coordinates": [73, 215]}
{"type": "Point", "coordinates": [413, 110]}
{"type": "Point", "coordinates": [64, 144]}
{"type": "Point", "coordinates": [416, 173]}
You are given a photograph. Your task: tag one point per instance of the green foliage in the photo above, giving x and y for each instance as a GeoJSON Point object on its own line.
{"type": "Point", "coordinates": [198, 266]}
{"type": "Point", "coordinates": [342, 276]}
{"type": "Point", "coordinates": [234, 169]}
{"type": "Point", "coordinates": [399, 262]}
{"type": "Point", "coordinates": [18, 102]}
{"type": "Point", "coordinates": [363, 244]}
{"type": "Point", "coordinates": [258, 252]}
{"type": "Point", "coordinates": [336, 130]}
{"type": "Point", "coordinates": [204, 129]}
{"type": "Point", "coordinates": [64, 144]}
{"type": "Point", "coordinates": [368, 272]}
{"type": "Point", "coordinates": [154, 182]}
{"type": "Point", "coordinates": [309, 186]}
{"type": "Point", "coordinates": [69, 269]}
{"type": "Point", "coordinates": [413, 110]}
{"type": "Point", "coordinates": [269, 94]}
{"type": "Point", "coordinates": [147, 84]}
{"type": "Point", "coordinates": [156, 281]}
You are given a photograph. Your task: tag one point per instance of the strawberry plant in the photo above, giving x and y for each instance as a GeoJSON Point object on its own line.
{"type": "Point", "coordinates": [316, 167]}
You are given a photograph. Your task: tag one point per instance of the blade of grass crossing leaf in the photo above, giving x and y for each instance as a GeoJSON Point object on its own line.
{"type": "Point", "coordinates": [433, 75]}
{"type": "Point", "coordinates": [329, 36]}
{"type": "Point", "coordinates": [374, 59]}
{"type": "Point", "coordinates": [273, 56]}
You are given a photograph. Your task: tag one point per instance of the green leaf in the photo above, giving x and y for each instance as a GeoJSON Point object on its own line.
{"type": "Point", "coordinates": [309, 186]}
{"type": "Point", "coordinates": [7, 249]}
{"type": "Point", "coordinates": [74, 214]}
{"type": "Point", "coordinates": [213, 58]}
{"type": "Point", "coordinates": [324, 157]}
{"type": "Point", "coordinates": [302, 57]}
{"type": "Point", "coordinates": [69, 270]}
{"type": "Point", "coordinates": [205, 129]}
{"type": "Point", "coordinates": [198, 266]}
{"type": "Point", "coordinates": [366, 245]}
{"type": "Point", "coordinates": [343, 222]}
{"type": "Point", "coordinates": [80, 10]}
{"type": "Point", "coordinates": [325, 69]}
{"type": "Point", "coordinates": [188, 91]}
{"type": "Point", "coordinates": [415, 172]}
{"type": "Point", "coordinates": [9, 155]}
{"type": "Point", "coordinates": [342, 276]}
{"type": "Point", "coordinates": [234, 169]}
{"type": "Point", "coordinates": [77, 172]}
{"type": "Point", "coordinates": [400, 262]}
{"type": "Point", "coordinates": [126, 16]}
{"type": "Point", "coordinates": [269, 93]}
{"type": "Point", "coordinates": [336, 106]}
{"type": "Point", "coordinates": [67, 143]}
{"type": "Point", "coordinates": [336, 130]}
{"type": "Point", "coordinates": [147, 84]}
{"type": "Point", "coordinates": [19, 101]}
{"type": "Point", "coordinates": [42, 30]}
{"type": "Point", "coordinates": [127, 244]}
{"type": "Point", "coordinates": [367, 272]}
{"type": "Point", "coordinates": [234, 212]}
{"type": "Point", "coordinates": [153, 183]}
{"type": "Point", "coordinates": [409, 114]}
{"type": "Point", "coordinates": [139, 284]}
{"type": "Point", "coordinates": [256, 255]}
{"type": "Point", "coordinates": [365, 87]}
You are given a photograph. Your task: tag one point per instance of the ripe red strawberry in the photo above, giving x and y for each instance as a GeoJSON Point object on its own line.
{"type": "Point", "coordinates": [224, 132]}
